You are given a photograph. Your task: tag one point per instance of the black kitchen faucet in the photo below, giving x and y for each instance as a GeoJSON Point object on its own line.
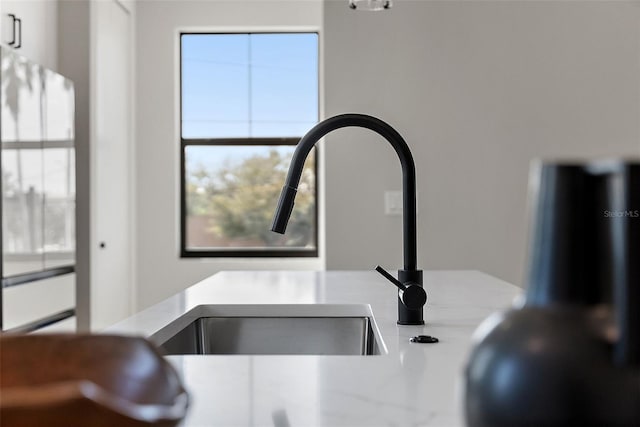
{"type": "Point", "coordinates": [411, 295]}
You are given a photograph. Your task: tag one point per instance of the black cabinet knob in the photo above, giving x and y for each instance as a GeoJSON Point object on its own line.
{"type": "Point", "coordinates": [13, 40]}
{"type": "Point", "coordinates": [19, 22]}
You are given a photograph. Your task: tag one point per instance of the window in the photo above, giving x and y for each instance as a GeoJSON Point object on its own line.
{"type": "Point", "coordinates": [246, 100]}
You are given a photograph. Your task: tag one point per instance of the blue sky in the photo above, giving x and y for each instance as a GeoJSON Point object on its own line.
{"type": "Point", "coordinates": [241, 85]}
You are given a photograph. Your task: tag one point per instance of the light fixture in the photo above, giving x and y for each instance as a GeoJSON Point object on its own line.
{"type": "Point", "coordinates": [370, 5]}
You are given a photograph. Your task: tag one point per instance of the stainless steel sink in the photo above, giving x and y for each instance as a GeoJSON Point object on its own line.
{"type": "Point", "coordinates": [273, 329]}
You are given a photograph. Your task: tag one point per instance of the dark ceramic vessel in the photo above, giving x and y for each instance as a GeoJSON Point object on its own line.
{"type": "Point", "coordinates": [569, 354]}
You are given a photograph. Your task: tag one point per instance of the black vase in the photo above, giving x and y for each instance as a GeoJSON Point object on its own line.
{"type": "Point", "coordinates": [569, 354]}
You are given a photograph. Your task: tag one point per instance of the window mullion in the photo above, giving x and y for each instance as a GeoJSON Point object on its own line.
{"type": "Point", "coordinates": [250, 88]}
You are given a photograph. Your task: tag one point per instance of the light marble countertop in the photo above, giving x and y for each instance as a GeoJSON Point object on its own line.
{"type": "Point", "coordinates": [412, 385]}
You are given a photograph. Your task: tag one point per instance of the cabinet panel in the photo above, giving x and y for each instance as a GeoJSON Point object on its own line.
{"type": "Point", "coordinates": [38, 190]}
{"type": "Point", "coordinates": [38, 167]}
{"type": "Point", "coordinates": [111, 159]}
{"type": "Point", "coordinates": [33, 301]}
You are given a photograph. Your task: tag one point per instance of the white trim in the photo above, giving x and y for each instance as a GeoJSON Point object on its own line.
{"type": "Point", "coordinates": [321, 180]}
{"type": "Point", "coordinates": [177, 134]}
{"type": "Point", "coordinates": [133, 217]}
{"type": "Point", "coordinates": [237, 29]}
{"type": "Point", "coordinates": [93, 120]}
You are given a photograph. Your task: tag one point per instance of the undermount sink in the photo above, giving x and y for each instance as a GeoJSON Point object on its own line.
{"type": "Point", "coordinates": [312, 329]}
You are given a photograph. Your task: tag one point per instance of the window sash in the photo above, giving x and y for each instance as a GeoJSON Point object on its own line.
{"type": "Point", "coordinates": [266, 252]}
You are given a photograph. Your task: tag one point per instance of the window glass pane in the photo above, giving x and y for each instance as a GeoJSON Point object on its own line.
{"type": "Point", "coordinates": [215, 85]}
{"type": "Point", "coordinates": [231, 195]}
{"type": "Point", "coordinates": [284, 84]}
{"type": "Point", "coordinates": [249, 85]}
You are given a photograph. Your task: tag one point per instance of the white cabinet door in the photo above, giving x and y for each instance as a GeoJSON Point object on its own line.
{"type": "Point", "coordinates": [39, 29]}
{"type": "Point", "coordinates": [38, 167]}
{"type": "Point", "coordinates": [22, 183]}
{"type": "Point", "coordinates": [111, 287]}
{"type": "Point", "coordinates": [30, 302]}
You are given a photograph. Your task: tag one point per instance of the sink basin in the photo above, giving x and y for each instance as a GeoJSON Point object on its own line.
{"type": "Point", "coordinates": [313, 329]}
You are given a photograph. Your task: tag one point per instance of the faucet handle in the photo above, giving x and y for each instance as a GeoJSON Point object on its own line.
{"type": "Point", "coordinates": [390, 278]}
{"type": "Point", "coordinates": [411, 294]}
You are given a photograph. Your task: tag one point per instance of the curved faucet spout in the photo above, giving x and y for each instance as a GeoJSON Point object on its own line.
{"type": "Point", "coordinates": [285, 204]}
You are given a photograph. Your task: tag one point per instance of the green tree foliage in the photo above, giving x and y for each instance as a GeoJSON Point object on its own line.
{"type": "Point", "coordinates": [240, 199]}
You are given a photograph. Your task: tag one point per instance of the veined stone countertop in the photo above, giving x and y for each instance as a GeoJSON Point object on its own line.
{"type": "Point", "coordinates": [411, 385]}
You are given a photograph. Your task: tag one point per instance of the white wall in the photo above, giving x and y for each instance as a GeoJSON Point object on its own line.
{"type": "Point", "coordinates": [477, 89]}
{"type": "Point", "coordinates": [160, 270]}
